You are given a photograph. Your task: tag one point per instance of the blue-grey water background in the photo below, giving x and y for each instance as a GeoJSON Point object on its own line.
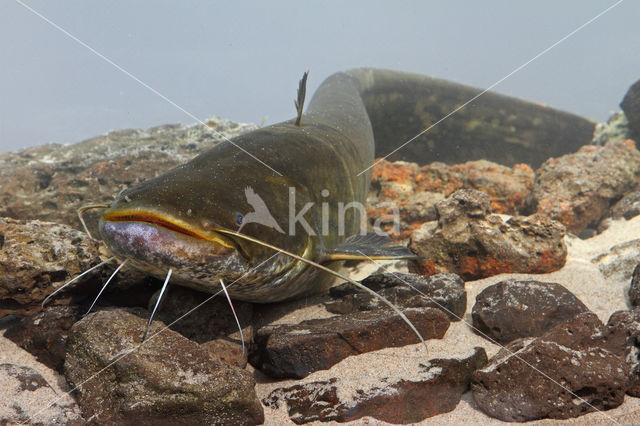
{"type": "Point", "coordinates": [243, 60]}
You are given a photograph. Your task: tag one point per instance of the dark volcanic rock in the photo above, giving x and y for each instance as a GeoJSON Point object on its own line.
{"type": "Point", "coordinates": [295, 351]}
{"type": "Point", "coordinates": [22, 385]}
{"type": "Point", "coordinates": [631, 106]}
{"type": "Point", "coordinates": [437, 390]}
{"type": "Point", "coordinates": [627, 324]}
{"type": "Point", "coordinates": [167, 380]}
{"type": "Point", "coordinates": [578, 189]}
{"type": "Point", "coordinates": [414, 190]}
{"type": "Point", "coordinates": [511, 309]}
{"type": "Point", "coordinates": [442, 291]}
{"type": "Point", "coordinates": [470, 242]}
{"type": "Point", "coordinates": [36, 258]}
{"type": "Point", "coordinates": [212, 324]}
{"type": "Point", "coordinates": [50, 182]}
{"type": "Point", "coordinates": [634, 288]}
{"type": "Point", "coordinates": [44, 334]}
{"type": "Point", "coordinates": [585, 330]}
{"type": "Point", "coordinates": [569, 371]}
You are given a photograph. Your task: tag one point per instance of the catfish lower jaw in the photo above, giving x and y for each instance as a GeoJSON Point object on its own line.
{"type": "Point", "coordinates": [155, 249]}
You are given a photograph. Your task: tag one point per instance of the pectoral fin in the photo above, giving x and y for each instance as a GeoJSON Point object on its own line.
{"type": "Point", "coordinates": [370, 246]}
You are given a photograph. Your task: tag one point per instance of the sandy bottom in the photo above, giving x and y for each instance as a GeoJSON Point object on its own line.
{"type": "Point", "coordinates": [603, 295]}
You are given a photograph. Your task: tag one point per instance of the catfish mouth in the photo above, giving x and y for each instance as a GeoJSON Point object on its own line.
{"type": "Point", "coordinates": [153, 239]}
{"type": "Point", "coordinates": [177, 226]}
{"type": "Point", "coordinates": [152, 219]}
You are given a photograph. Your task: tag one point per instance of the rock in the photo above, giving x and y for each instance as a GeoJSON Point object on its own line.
{"type": "Point", "coordinates": [414, 190]}
{"type": "Point", "coordinates": [399, 216]}
{"type": "Point", "coordinates": [634, 288]}
{"type": "Point", "coordinates": [441, 291]}
{"type": "Point", "coordinates": [627, 324]}
{"type": "Point", "coordinates": [578, 189]}
{"type": "Point", "coordinates": [512, 309]}
{"type": "Point", "coordinates": [631, 106]}
{"type": "Point", "coordinates": [212, 324]}
{"type": "Point", "coordinates": [295, 351]}
{"type": "Point", "coordinates": [615, 129]}
{"type": "Point", "coordinates": [44, 334]}
{"type": "Point", "coordinates": [167, 380]}
{"type": "Point", "coordinates": [508, 187]}
{"type": "Point", "coordinates": [585, 330]}
{"type": "Point", "coordinates": [437, 390]}
{"type": "Point", "coordinates": [36, 258]}
{"type": "Point", "coordinates": [21, 386]}
{"type": "Point", "coordinates": [567, 372]}
{"type": "Point", "coordinates": [620, 260]}
{"type": "Point", "coordinates": [308, 402]}
{"type": "Point", "coordinates": [50, 182]}
{"type": "Point", "coordinates": [470, 242]}
{"type": "Point", "coordinates": [627, 207]}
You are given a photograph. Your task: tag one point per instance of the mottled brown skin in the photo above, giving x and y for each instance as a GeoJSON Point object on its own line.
{"type": "Point", "coordinates": [170, 221]}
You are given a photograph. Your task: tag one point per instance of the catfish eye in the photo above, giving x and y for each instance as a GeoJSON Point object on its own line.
{"type": "Point", "coordinates": [126, 197]}
{"type": "Point", "coordinates": [239, 218]}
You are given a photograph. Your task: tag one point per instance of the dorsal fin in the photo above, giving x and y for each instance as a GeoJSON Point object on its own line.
{"type": "Point", "coordinates": [302, 92]}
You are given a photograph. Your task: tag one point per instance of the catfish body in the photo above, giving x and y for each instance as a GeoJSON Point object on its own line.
{"type": "Point", "coordinates": [315, 170]}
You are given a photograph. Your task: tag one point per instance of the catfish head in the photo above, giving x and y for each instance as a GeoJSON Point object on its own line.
{"type": "Point", "coordinates": [184, 220]}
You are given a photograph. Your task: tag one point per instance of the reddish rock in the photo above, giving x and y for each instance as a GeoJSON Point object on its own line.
{"type": "Point", "coordinates": [167, 380]}
{"type": "Point", "coordinates": [627, 325]}
{"type": "Point", "coordinates": [295, 351]}
{"type": "Point", "coordinates": [44, 334]}
{"type": "Point", "coordinates": [512, 309]}
{"type": "Point", "coordinates": [442, 291]}
{"type": "Point", "coordinates": [569, 371]}
{"type": "Point", "coordinates": [578, 189]}
{"type": "Point", "coordinates": [470, 242]}
{"type": "Point", "coordinates": [36, 258]}
{"type": "Point", "coordinates": [508, 187]}
{"type": "Point", "coordinates": [414, 190]}
{"type": "Point", "coordinates": [394, 192]}
{"type": "Point", "coordinates": [438, 390]}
